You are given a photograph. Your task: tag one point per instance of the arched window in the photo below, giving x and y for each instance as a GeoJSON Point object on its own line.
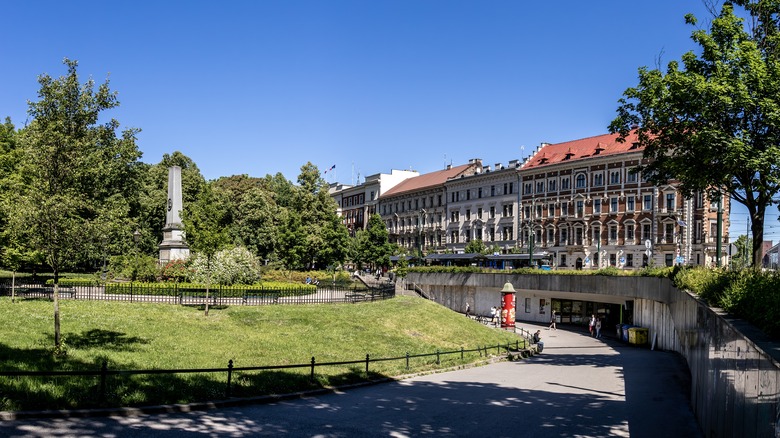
{"type": "Point", "coordinates": [581, 181]}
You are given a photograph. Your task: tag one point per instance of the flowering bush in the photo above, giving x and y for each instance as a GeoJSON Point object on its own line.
{"type": "Point", "coordinates": [175, 270]}
{"type": "Point", "coordinates": [229, 266]}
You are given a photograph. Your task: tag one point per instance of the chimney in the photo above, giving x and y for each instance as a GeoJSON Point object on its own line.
{"type": "Point", "coordinates": [449, 166]}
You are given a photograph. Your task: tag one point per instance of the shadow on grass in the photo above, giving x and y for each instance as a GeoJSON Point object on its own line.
{"type": "Point", "coordinates": [128, 389]}
{"type": "Point", "coordinates": [107, 339]}
{"type": "Point", "coordinates": [202, 307]}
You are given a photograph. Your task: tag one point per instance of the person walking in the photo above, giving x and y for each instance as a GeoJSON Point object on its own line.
{"type": "Point", "coordinates": [592, 325]}
{"type": "Point", "coordinates": [552, 321]}
{"type": "Point", "coordinates": [493, 312]}
{"type": "Point", "coordinates": [598, 327]}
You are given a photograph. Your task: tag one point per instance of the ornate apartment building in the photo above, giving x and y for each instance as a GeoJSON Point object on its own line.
{"type": "Point", "coordinates": [357, 203]}
{"type": "Point", "coordinates": [415, 211]}
{"type": "Point", "coordinates": [582, 202]}
{"type": "Point", "coordinates": [483, 205]}
{"type": "Point", "coordinates": [577, 202]}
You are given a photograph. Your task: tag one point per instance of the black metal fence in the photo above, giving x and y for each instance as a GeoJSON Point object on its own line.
{"type": "Point", "coordinates": [100, 382]}
{"type": "Point", "coordinates": [217, 295]}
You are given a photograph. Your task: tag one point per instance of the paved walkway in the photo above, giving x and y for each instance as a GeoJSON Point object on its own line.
{"type": "Point", "coordinates": [578, 387]}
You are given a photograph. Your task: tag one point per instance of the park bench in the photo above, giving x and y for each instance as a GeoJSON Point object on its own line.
{"type": "Point", "coordinates": [260, 296]}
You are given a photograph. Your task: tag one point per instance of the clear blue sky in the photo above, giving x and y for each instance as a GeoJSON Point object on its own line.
{"type": "Point", "coordinates": [259, 87]}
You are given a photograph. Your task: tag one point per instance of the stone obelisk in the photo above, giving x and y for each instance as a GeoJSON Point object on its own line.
{"type": "Point", "coordinates": [173, 246]}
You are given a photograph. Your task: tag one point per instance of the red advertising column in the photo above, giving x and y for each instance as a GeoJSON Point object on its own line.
{"type": "Point", "coordinates": [508, 306]}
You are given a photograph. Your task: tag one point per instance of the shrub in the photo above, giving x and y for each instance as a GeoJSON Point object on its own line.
{"type": "Point", "coordinates": [175, 270]}
{"type": "Point", "coordinates": [229, 266]}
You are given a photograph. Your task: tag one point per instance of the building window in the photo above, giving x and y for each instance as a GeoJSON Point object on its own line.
{"type": "Point", "coordinates": [507, 210]}
{"type": "Point", "coordinates": [468, 236]}
{"type": "Point", "coordinates": [646, 232]}
{"type": "Point", "coordinates": [479, 192]}
{"type": "Point", "coordinates": [630, 203]}
{"type": "Point", "coordinates": [563, 259]}
{"type": "Point", "coordinates": [539, 211]}
{"type": "Point", "coordinates": [669, 259]}
{"type": "Point", "coordinates": [479, 213]}
{"type": "Point", "coordinates": [613, 234]}
{"type": "Point", "coordinates": [578, 236]}
{"type": "Point", "coordinates": [468, 214]}
{"type": "Point", "coordinates": [598, 179]}
{"type": "Point", "coordinates": [630, 260]}
{"type": "Point", "coordinates": [492, 190]}
{"type": "Point", "coordinates": [670, 202]}
{"type": "Point", "coordinates": [454, 216]}
{"type": "Point", "coordinates": [669, 233]}
{"type": "Point", "coordinates": [564, 236]}
{"type": "Point", "coordinates": [596, 234]}
{"type": "Point", "coordinates": [511, 188]}
{"type": "Point", "coordinates": [552, 185]}
{"type": "Point", "coordinates": [550, 210]}
{"type": "Point", "coordinates": [565, 183]}
{"type": "Point", "coordinates": [540, 187]}
{"type": "Point", "coordinates": [468, 195]}
{"type": "Point", "coordinates": [550, 236]}
{"type": "Point", "coordinates": [528, 305]}
{"type": "Point", "coordinates": [613, 205]}
{"type": "Point", "coordinates": [564, 208]}
{"type": "Point", "coordinates": [631, 177]}
{"type": "Point", "coordinates": [454, 237]}
{"type": "Point", "coordinates": [613, 259]}
{"type": "Point", "coordinates": [581, 182]}
{"type": "Point", "coordinates": [614, 177]}
{"type": "Point", "coordinates": [647, 201]}
{"type": "Point", "coordinates": [580, 209]}
{"type": "Point", "coordinates": [527, 189]}
{"type": "Point", "coordinates": [492, 213]}
{"type": "Point", "coordinates": [527, 214]}
{"type": "Point", "coordinates": [439, 200]}
{"type": "Point", "coordinates": [629, 233]}
{"type": "Point", "coordinates": [597, 206]}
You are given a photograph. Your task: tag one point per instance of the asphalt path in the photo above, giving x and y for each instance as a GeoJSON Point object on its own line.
{"type": "Point", "coordinates": [577, 387]}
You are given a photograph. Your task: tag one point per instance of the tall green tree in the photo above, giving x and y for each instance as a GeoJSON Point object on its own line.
{"type": "Point", "coordinates": [206, 226]}
{"type": "Point", "coordinates": [377, 249]}
{"type": "Point", "coordinates": [741, 259]}
{"type": "Point", "coordinates": [71, 165]}
{"type": "Point", "coordinates": [713, 123]}
{"type": "Point", "coordinates": [476, 246]}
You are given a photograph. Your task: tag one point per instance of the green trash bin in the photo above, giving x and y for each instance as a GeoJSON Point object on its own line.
{"type": "Point", "coordinates": [637, 335]}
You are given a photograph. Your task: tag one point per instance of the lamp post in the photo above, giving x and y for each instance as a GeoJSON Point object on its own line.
{"type": "Point", "coordinates": [136, 238]}
{"type": "Point", "coordinates": [421, 221]}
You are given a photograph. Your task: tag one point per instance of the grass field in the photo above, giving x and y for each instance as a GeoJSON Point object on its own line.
{"type": "Point", "coordinates": [132, 336]}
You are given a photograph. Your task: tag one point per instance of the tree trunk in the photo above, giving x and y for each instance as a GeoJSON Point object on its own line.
{"type": "Point", "coordinates": [208, 283]}
{"type": "Point", "coordinates": [757, 230]}
{"type": "Point", "coordinates": [56, 298]}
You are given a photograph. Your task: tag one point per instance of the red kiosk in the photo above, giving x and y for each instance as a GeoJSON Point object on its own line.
{"type": "Point", "coordinates": [508, 306]}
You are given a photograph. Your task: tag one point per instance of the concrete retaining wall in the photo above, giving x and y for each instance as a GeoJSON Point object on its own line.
{"type": "Point", "coordinates": [734, 368]}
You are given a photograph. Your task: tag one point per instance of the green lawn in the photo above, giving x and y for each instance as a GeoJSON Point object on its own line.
{"type": "Point", "coordinates": [131, 336]}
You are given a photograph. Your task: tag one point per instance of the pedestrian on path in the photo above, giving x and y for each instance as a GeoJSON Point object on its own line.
{"type": "Point", "coordinates": [598, 327]}
{"type": "Point", "coordinates": [592, 325]}
{"type": "Point", "coordinates": [552, 321]}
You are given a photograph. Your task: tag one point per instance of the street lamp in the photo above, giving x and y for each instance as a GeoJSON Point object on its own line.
{"type": "Point", "coordinates": [136, 238]}
{"type": "Point", "coordinates": [421, 221]}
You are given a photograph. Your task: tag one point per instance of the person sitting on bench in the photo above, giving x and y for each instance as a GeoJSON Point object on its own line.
{"type": "Point", "coordinates": [537, 339]}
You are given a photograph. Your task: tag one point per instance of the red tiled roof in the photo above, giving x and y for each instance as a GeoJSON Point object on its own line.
{"type": "Point", "coordinates": [429, 179]}
{"type": "Point", "coordinates": [605, 144]}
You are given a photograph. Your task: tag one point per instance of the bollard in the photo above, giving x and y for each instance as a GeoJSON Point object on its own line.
{"type": "Point", "coordinates": [366, 364]}
{"type": "Point", "coordinates": [230, 375]}
{"type": "Point", "coordinates": [312, 369]}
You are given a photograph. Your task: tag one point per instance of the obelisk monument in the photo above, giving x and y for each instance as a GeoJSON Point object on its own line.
{"type": "Point", "coordinates": [173, 246]}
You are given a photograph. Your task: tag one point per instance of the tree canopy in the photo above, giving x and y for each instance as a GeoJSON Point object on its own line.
{"type": "Point", "coordinates": [713, 123]}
